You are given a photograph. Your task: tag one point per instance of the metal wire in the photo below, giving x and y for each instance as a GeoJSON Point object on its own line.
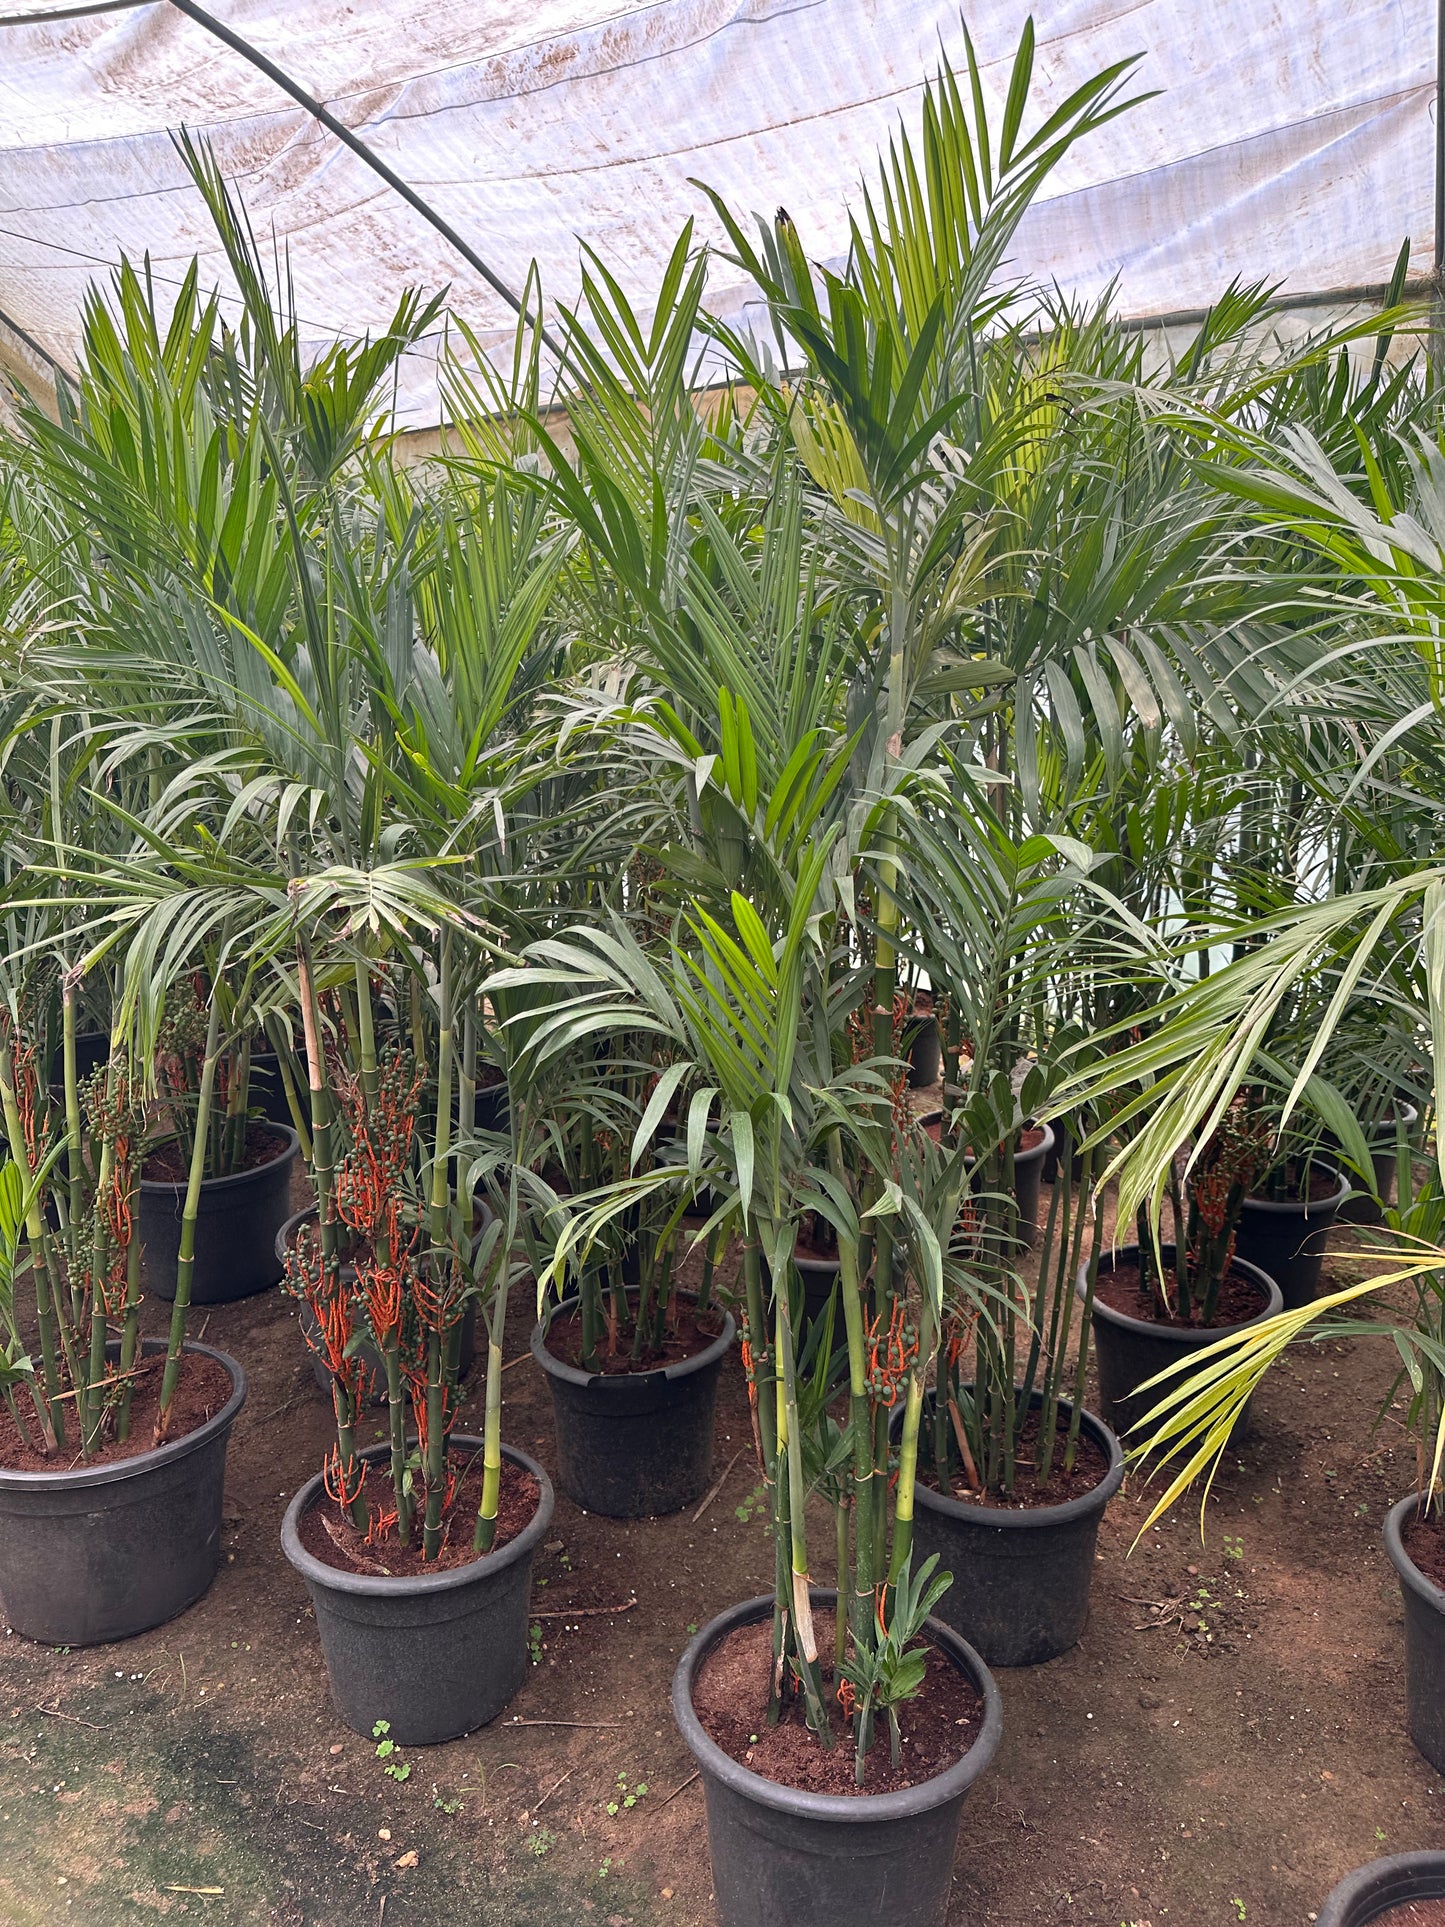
{"type": "Point", "coordinates": [319, 112]}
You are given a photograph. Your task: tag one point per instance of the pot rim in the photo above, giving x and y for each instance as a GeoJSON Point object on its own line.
{"type": "Point", "coordinates": [1030, 1156]}
{"type": "Point", "coordinates": [84, 1477]}
{"type": "Point", "coordinates": [1188, 1338]}
{"type": "Point", "coordinates": [176, 1187]}
{"type": "Point", "coordinates": [1304, 1207]}
{"type": "Point", "coordinates": [905, 1802]}
{"type": "Point", "coordinates": [574, 1375]}
{"type": "Point", "coordinates": [369, 1585]}
{"type": "Point", "coordinates": [1039, 1517]}
{"type": "Point", "coordinates": [1409, 1573]}
{"type": "Point", "coordinates": [313, 1210]}
{"type": "Point", "coordinates": [1356, 1887]}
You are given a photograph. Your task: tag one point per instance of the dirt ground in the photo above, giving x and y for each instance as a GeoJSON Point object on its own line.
{"type": "Point", "coordinates": [1227, 1740]}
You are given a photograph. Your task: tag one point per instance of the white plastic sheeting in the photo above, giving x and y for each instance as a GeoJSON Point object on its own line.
{"type": "Point", "coordinates": [1290, 138]}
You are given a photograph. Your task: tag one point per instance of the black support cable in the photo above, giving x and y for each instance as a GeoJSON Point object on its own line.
{"type": "Point", "coordinates": [319, 112]}
{"type": "Point", "coordinates": [343, 133]}
{"type": "Point", "coordinates": [35, 348]}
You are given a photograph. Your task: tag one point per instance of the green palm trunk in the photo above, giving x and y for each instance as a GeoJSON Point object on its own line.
{"type": "Point", "coordinates": [186, 1258]}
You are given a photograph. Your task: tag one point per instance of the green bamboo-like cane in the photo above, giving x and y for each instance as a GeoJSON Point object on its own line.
{"type": "Point", "coordinates": [186, 1259]}
{"type": "Point", "coordinates": [805, 1638]}
{"type": "Point", "coordinates": [281, 1045]}
{"type": "Point", "coordinates": [91, 1404]}
{"type": "Point", "coordinates": [496, 1320]}
{"type": "Point", "coordinates": [439, 1256]}
{"type": "Point", "coordinates": [865, 1485]}
{"type": "Point", "coordinates": [129, 1336]}
{"type": "Point", "coordinates": [74, 1155]}
{"type": "Point", "coordinates": [47, 1314]}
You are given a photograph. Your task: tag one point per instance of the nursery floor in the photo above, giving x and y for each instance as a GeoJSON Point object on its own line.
{"type": "Point", "coordinates": [1224, 1744]}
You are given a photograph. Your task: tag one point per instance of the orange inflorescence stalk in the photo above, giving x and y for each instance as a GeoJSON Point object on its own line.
{"type": "Point", "coordinates": [890, 1354]}
{"type": "Point", "coordinates": [334, 1477]}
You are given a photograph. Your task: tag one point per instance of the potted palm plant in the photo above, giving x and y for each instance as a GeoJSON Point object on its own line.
{"type": "Point", "coordinates": [248, 1159]}
{"type": "Point", "coordinates": [111, 1478]}
{"type": "Point", "coordinates": [1015, 1473]}
{"type": "Point", "coordinates": [631, 1359]}
{"type": "Point", "coordinates": [416, 1552]}
{"type": "Point", "coordinates": [1153, 1303]}
{"type": "Point", "coordinates": [802, 739]}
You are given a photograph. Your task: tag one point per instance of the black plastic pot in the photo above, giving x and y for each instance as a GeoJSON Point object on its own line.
{"type": "Point", "coordinates": [369, 1354]}
{"type": "Point", "coordinates": [1128, 1351]}
{"type": "Point", "coordinates": [1021, 1577]}
{"type": "Point", "coordinates": [1028, 1171]}
{"type": "Point", "coordinates": [96, 1553]}
{"type": "Point", "coordinates": [494, 1107]}
{"type": "Point", "coordinates": [437, 1655]}
{"type": "Point", "coordinates": [1288, 1239]}
{"type": "Point", "coordinates": [923, 1047]}
{"type": "Point", "coordinates": [1371, 1891]}
{"type": "Point", "coordinates": [637, 1444]}
{"type": "Point", "coordinates": [92, 1049]}
{"type": "Point", "coordinates": [267, 1092]}
{"type": "Point", "coordinates": [785, 1858]}
{"type": "Point", "coordinates": [1061, 1148]}
{"type": "Point", "coordinates": [819, 1276]}
{"type": "Point", "coordinates": [1364, 1207]}
{"type": "Point", "coordinates": [1424, 1641]}
{"type": "Point", "coordinates": [1028, 1174]}
{"type": "Point", "coordinates": [236, 1229]}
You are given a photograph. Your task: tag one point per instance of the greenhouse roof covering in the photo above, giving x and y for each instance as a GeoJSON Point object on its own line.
{"type": "Point", "coordinates": [1289, 139]}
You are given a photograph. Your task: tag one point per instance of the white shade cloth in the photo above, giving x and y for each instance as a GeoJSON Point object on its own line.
{"type": "Point", "coordinates": [1292, 139]}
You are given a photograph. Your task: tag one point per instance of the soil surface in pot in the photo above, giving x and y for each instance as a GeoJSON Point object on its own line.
{"type": "Point", "coordinates": [730, 1697]}
{"type": "Point", "coordinates": [328, 1535]}
{"type": "Point", "coordinates": [815, 1246]}
{"type": "Point", "coordinates": [1424, 1540]}
{"type": "Point", "coordinates": [202, 1388]}
{"type": "Point", "coordinates": [1412, 1913]}
{"type": "Point", "coordinates": [1240, 1299]}
{"type": "Point", "coordinates": [1089, 1467]}
{"type": "Point", "coordinates": [686, 1335]}
{"type": "Point", "coordinates": [1323, 1184]}
{"type": "Point", "coordinates": [167, 1164]}
{"type": "Point", "coordinates": [1028, 1140]}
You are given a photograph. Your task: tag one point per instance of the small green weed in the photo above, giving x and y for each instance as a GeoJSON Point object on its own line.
{"type": "Point", "coordinates": [542, 1841]}
{"type": "Point", "coordinates": [750, 1504]}
{"type": "Point", "coordinates": [626, 1797]}
{"type": "Point", "coordinates": [395, 1769]}
{"type": "Point", "coordinates": [534, 1644]}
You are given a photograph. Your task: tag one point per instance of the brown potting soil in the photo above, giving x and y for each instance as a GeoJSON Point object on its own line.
{"type": "Point", "coordinates": [686, 1334]}
{"type": "Point", "coordinates": [202, 1388]}
{"type": "Point", "coordinates": [1089, 1467]}
{"type": "Point", "coordinates": [1028, 1140]}
{"type": "Point", "coordinates": [1424, 1540]}
{"type": "Point", "coordinates": [167, 1165]}
{"type": "Point", "coordinates": [1412, 1913]}
{"type": "Point", "coordinates": [328, 1535]}
{"type": "Point", "coordinates": [730, 1698]}
{"type": "Point", "coordinates": [820, 1250]}
{"type": "Point", "coordinates": [1322, 1186]}
{"type": "Point", "coordinates": [1240, 1299]}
